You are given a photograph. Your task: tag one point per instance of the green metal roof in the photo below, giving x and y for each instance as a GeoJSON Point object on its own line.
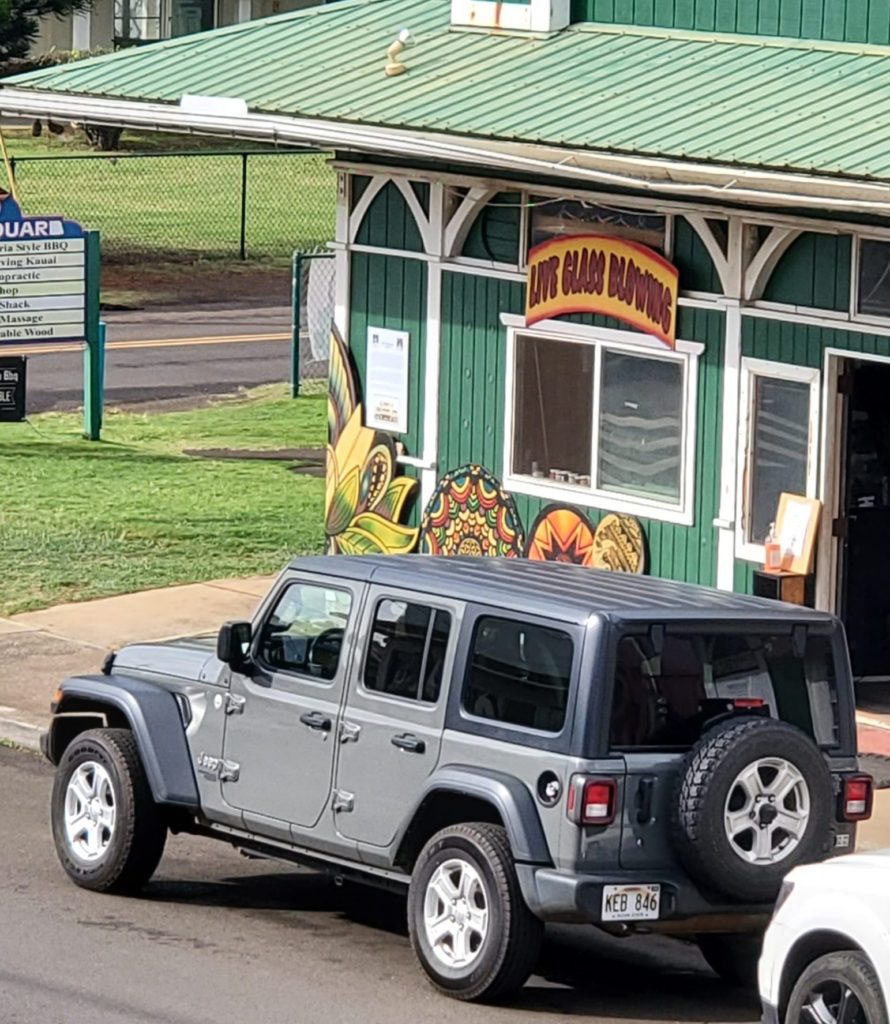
{"type": "Point", "coordinates": [768, 103]}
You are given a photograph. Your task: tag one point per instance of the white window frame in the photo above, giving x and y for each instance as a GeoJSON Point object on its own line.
{"type": "Point", "coordinates": [686, 353]}
{"type": "Point", "coordinates": [751, 369]}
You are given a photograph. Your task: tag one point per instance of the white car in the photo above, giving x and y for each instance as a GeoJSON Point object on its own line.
{"type": "Point", "coordinates": [826, 954]}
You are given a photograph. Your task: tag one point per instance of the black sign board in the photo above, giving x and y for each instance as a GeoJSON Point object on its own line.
{"type": "Point", "coordinates": [12, 389]}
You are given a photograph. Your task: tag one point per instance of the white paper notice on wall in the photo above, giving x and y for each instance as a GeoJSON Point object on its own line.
{"type": "Point", "coordinates": [386, 382]}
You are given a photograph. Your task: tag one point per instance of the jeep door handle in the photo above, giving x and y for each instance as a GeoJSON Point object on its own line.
{"type": "Point", "coordinates": [316, 720]}
{"type": "Point", "coordinates": [408, 742]}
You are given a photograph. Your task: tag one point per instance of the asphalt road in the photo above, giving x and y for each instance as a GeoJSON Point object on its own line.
{"type": "Point", "coordinates": [166, 358]}
{"type": "Point", "coordinates": [218, 938]}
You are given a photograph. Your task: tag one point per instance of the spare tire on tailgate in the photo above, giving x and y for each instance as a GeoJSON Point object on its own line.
{"type": "Point", "coordinates": [754, 799]}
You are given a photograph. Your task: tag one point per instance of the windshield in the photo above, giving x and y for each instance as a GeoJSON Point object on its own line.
{"type": "Point", "coordinates": [667, 699]}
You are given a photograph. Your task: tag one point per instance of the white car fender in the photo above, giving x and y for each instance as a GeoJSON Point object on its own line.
{"type": "Point", "coordinates": [844, 913]}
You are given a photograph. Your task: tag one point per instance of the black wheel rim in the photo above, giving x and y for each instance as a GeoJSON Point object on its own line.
{"type": "Point", "coordinates": [832, 1002]}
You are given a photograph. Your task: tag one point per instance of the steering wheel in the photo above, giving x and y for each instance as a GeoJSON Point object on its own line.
{"type": "Point", "coordinates": [328, 642]}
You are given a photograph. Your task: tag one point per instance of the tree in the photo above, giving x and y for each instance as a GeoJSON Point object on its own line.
{"type": "Point", "coordinates": [20, 21]}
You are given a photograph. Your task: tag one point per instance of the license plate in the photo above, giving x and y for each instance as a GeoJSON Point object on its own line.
{"type": "Point", "coordinates": [631, 902]}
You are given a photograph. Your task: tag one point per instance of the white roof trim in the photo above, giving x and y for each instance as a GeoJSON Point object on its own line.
{"type": "Point", "coordinates": [647, 174]}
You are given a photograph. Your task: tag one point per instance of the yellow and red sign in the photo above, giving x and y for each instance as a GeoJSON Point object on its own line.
{"type": "Point", "coordinates": [600, 274]}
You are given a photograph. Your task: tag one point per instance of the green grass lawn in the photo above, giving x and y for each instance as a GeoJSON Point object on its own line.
{"type": "Point", "coordinates": [147, 200]}
{"type": "Point", "coordinates": [81, 520]}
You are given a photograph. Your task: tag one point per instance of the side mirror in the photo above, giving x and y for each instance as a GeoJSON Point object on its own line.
{"type": "Point", "coordinates": [233, 643]}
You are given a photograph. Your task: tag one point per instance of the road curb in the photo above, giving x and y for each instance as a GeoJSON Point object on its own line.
{"type": "Point", "coordinates": [20, 733]}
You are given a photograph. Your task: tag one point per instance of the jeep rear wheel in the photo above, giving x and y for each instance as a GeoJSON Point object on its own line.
{"type": "Point", "coordinates": [470, 927]}
{"type": "Point", "coordinates": [754, 800]}
{"type": "Point", "coordinates": [109, 832]}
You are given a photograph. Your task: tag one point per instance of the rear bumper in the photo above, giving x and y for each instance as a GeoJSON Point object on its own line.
{"type": "Point", "coordinates": [562, 896]}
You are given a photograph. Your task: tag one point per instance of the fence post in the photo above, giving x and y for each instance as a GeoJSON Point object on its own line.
{"type": "Point", "coordinates": [243, 247]}
{"type": "Point", "coordinates": [297, 297]}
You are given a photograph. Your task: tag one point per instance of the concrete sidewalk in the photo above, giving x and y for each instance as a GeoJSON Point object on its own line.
{"type": "Point", "coordinates": [39, 649]}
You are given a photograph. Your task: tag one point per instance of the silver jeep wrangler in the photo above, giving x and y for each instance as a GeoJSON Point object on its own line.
{"type": "Point", "coordinates": [509, 742]}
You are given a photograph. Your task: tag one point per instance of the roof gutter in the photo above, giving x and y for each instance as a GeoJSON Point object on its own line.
{"type": "Point", "coordinates": [743, 186]}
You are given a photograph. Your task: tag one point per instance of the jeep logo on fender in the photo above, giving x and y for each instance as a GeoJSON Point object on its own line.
{"type": "Point", "coordinates": [599, 274]}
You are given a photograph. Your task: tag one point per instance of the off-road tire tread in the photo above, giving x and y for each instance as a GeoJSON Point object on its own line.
{"type": "Point", "coordinates": [851, 960]}
{"type": "Point", "coordinates": [688, 822]}
{"type": "Point", "coordinates": [143, 832]}
{"type": "Point", "coordinates": [519, 954]}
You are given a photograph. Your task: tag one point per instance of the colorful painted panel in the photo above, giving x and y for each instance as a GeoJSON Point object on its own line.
{"type": "Point", "coordinates": [364, 499]}
{"type": "Point", "coordinates": [618, 545]}
{"type": "Point", "coordinates": [471, 514]}
{"type": "Point", "coordinates": [561, 534]}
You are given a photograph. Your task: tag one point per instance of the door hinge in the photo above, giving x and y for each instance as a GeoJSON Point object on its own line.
{"type": "Point", "coordinates": [840, 527]}
{"type": "Point", "coordinates": [229, 771]}
{"type": "Point", "coordinates": [349, 732]}
{"type": "Point", "coordinates": [343, 801]}
{"type": "Point", "coordinates": [235, 703]}
{"type": "Point", "coordinates": [845, 383]}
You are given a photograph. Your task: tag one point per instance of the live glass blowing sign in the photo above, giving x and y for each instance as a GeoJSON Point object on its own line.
{"type": "Point", "coordinates": [42, 277]}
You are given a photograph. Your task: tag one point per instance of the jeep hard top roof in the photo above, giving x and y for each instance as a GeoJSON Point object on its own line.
{"type": "Point", "coordinates": [556, 590]}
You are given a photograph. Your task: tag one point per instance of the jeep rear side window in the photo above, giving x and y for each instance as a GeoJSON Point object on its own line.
{"type": "Point", "coordinates": [667, 700]}
{"type": "Point", "coordinates": [304, 633]}
{"type": "Point", "coordinates": [519, 674]}
{"type": "Point", "coordinates": [406, 654]}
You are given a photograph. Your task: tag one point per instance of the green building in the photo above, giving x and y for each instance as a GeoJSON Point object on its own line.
{"type": "Point", "coordinates": [741, 142]}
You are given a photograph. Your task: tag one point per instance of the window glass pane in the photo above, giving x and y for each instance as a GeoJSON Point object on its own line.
{"type": "Point", "coordinates": [874, 278]}
{"type": "Point", "coordinates": [780, 427]}
{"type": "Point", "coordinates": [551, 218]}
{"type": "Point", "coordinates": [406, 654]}
{"type": "Point", "coordinates": [669, 700]}
{"type": "Point", "coordinates": [304, 633]}
{"type": "Point", "coordinates": [553, 409]}
{"type": "Point", "coordinates": [641, 426]}
{"type": "Point", "coordinates": [519, 674]}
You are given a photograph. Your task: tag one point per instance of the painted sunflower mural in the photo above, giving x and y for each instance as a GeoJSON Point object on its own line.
{"type": "Point", "coordinates": [561, 534]}
{"type": "Point", "coordinates": [364, 498]}
{"type": "Point", "coordinates": [471, 514]}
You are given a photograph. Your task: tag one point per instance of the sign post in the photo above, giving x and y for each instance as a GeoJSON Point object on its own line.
{"type": "Point", "coordinates": [94, 350]}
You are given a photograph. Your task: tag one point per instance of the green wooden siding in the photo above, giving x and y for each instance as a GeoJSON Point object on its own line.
{"type": "Point", "coordinates": [692, 259]}
{"type": "Point", "coordinates": [802, 345]}
{"type": "Point", "coordinates": [389, 291]}
{"type": "Point", "coordinates": [815, 271]}
{"type": "Point", "coordinates": [494, 234]}
{"type": "Point", "coordinates": [852, 21]}
{"type": "Point", "coordinates": [471, 424]}
{"type": "Point", "coordinates": [389, 223]}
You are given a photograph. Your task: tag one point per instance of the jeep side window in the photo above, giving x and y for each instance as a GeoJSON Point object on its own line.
{"type": "Point", "coordinates": [666, 700]}
{"type": "Point", "coordinates": [304, 632]}
{"type": "Point", "coordinates": [518, 673]}
{"type": "Point", "coordinates": [406, 653]}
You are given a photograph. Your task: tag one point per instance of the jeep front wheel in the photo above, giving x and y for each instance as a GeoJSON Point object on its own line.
{"type": "Point", "coordinates": [109, 832]}
{"type": "Point", "coordinates": [470, 927]}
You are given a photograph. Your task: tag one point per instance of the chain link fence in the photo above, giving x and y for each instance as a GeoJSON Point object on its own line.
{"type": "Point", "coordinates": [314, 295]}
{"type": "Point", "coordinates": [186, 206]}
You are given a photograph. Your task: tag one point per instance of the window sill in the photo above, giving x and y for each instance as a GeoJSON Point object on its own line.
{"type": "Point", "coordinates": [605, 501]}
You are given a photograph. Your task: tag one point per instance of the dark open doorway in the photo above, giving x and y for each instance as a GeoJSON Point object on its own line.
{"type": "Point", "coordinates": [864, 523]}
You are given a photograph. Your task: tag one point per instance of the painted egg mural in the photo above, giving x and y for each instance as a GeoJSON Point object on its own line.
{"type": "Point", "coordinates": [471, 514]}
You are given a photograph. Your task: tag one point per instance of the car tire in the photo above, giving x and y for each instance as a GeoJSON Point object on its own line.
{"type": "Point", "coordinates": [733, 958]}
{"type": "Point", "coordinates": [470, 927]}
{"type": "Point", "coordinates": [109, 832]}
{"type": "Point", "coordinates": [832, 980]}
{"type": "Point", "coordinates": [754, 799]}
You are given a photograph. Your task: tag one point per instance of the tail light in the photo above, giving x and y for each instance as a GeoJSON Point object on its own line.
{"type": "Point", "coordinates": [857, 795]}
{"type": "Point", "coordinates": [592, 801]}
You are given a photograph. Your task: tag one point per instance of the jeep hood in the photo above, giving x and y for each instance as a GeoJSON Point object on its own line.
{"type": "Point", "coordinates": [183, 658]}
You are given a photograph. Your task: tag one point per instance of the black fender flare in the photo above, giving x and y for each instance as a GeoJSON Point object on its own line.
{"type": "Point", "coordinates": [510, 797]}
{"type": "Point", "coordinates": [156, 723]}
